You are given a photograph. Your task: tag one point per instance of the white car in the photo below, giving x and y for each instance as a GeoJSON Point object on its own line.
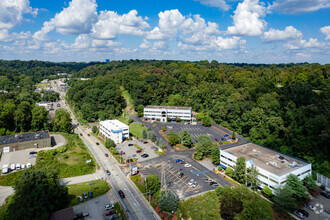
{"type": "Point", "coordinates": [109, 206]}
{"type": "Point", "coordinates": [187, 165]}
{"type": "Point", "coordinates": [18, 166]}
{"type": "Point", "coordinates": [191, 182]}
{"type": "Point", "coordinates": [12, 166]}
{"type": "Point", "coordinates": [28, 165]}
{"type": "Point", "coordinates": [195, 184]}
{"type": "Point", "coordinates": [23, 166]}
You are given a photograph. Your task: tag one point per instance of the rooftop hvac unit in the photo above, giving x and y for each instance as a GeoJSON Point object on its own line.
{"type": "Point", "coordinates": [245, 146]}
{"type": "Point", "coordinates": [293, 164]}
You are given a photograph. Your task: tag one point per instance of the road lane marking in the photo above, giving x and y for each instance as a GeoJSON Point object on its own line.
{"type": "Point", "coordinates": [130, 204]}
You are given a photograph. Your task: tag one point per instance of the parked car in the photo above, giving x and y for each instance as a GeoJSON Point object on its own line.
{"type": "Point", "coordinates": [144, 155]}
{"type": "Point", "coordinates": [138, 151]}
{"type": "Point", "coordinates": [113, 217]}
{"type": "Point", "coordinates": [121, 153]}
{"type": "Point", "coordinates": [298, 214]}
{"type": "Point", "coordinates": [191, 182]}
{"type": "Point", "coordinates": [12, 166]}
{"type": "Point", "coordinates": [90, 194]}
{"type": "Point", "coordinates": [80, 198]}
{"type": "Point", "coordinates": [110, 212]}
{"type": "Point", "coordinates": [23, 166]}
{"type": "Point", "coordinates": [181, 175]}
{"type": "Point", "coordinates": [81, 215]}
{"type": "Point", "coordinates": [134, 155]}
{"type": "Point", "coordinates": [80, 134]}
{"type": "Point", "coordinates": [305, 213]}
{"type": "Point", "coordinates": [309, 206]}
{"type": "Point", "coordinates": [215, 185]}
{"type": "Point", "coordinates": [107, 155]}
{"type": "Point", "coordinates": [145, 142]}
{"type": "Point", "coordinates": [108, 172]}
{"type": "Point", "coordinates": [88, 134]}
{"type": "Point", "coordinates": [194, 184]}
{"type": "Point", "coordinates": [212, 183]}
{"type": "Point", "coordinates": [187, 165]}
{"type": "Point", "coordinates": [222, 139]}
{"type": "Point", "coordinates": [178, 161]}
{"type": "Point", "coordinates": [32, 156]}
{"type": "Point", "coordinates": [130, 145]}
{"type": "Point", "coordinates": [109, 206]}
{"type": "Point", "coordinates": [121, 194]}
{"type": "Point", "coordinates": [33, 152]}
{"type": "Point", "coordinates": [28, 165]}
{"type": "Point", "coordinates": [85, 195]}
{"type": "Point", "coordinates": [18, 166]}
{"type": "Point", "coordinates": [326, 195]}
{"type": "Point", "coordinates": [97, 143]}
{"type": "Point", "coordinates": [216, 140]}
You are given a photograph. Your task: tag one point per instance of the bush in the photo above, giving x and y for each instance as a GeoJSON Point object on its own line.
{"type": "Point", "coordinates": [229, 172]}
{"type": "Point", "coordinates": [94, 129]}
{"type": "Point", "coordinates": [109, 143]}
{"type": "Point", "coordinates": [323, 186]}
{"type": "Point", "coordinates": [198, 155]}
{"type": "Point", "coordinates": [136, 178]}
{"type": "Point", "coordinates": [267, 192]}
{"type": "Point", "coordinates": [233, 136]}
{"type": "Point", "coordinates": [220, 168]}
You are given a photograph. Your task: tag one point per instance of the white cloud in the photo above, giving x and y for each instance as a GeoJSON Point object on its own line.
{"type": "Point", "coordinates": [277, 35]}
{"type": "Point", "coordinates": [248, 19]}
{"type": "Point", "coordinates": [303, 55]}
{"type": "Point", "coordinates": [160, 45]}
{"type": "Point", "coordinates": [213, 44]}
{"type": "Point", "coordinates": [84, 41]}
{"type": "Point", "coordinates": [145, 45]}
{"type": "Point", "coordinates": [221, 4]}
{"type": "Point", "coordinates": [326, 31]}
{"type": "Point", "coordinates": [11, 12]}
{"type": "Point", "coordinates": [42, 34]}
{"type": "Point", "coordinates": [110, 24]}
{"type": "Point", "coordinates": [301, 44]}
{"type": "Point", "coordinates": [169, 23]}
{"type": "Point", "coordinates": [299, 6]}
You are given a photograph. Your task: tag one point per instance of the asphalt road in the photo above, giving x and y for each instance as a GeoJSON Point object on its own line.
{"type": "Point", "coordinates": [134, 205]}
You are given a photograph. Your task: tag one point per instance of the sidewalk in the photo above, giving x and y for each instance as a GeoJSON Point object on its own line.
{"type": "Point", "coordinates": [85, 178]}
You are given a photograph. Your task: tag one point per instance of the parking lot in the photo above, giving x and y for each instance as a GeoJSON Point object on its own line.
{"type": "Point", "coordinates": [180, 185]}
{"type": "Point", "coordinates": [195, 130]}
{"type": "Point", "coordinates": [131, 151]}
{"type": "Point", "coordinates": [24, 157]}
{"type": "Point", "coordinates": [321, 204]}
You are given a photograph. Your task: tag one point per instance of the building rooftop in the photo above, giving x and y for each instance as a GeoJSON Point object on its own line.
{"type": "Point", "coordinates": [167, 107]}
{"type": "Point", "coordinates": [113, 124]}
{"type": "Point", "coordinates": [17, 138]}
{"type": "Point", "coordinates": [266, 158]}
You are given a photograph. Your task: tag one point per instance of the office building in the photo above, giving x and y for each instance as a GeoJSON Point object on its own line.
{"type": "Point", "coordinates": [115, 130]}
{"type": "Point", "coordinates": [163, 113]}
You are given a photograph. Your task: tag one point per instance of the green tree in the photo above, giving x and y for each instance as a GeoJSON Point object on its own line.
{"type": "Point", "coordinates": [153, 137]}
{"type": "Point", "coordinates": [252, 177]}
{"type": "Point", "coordinates": [199, 116]}
{"type": "Point", "coordinates": [40, 193]}
{"type": "Point", "coordinates": [144, 134]}
{"type": "Point", "coordinates": [173, 138]}
{"type": "Point", "coordinates": [267, 191]}
{"type": "Point", "coordinates": [152, 183]}
{"type": "Point", "coordinates": [204, 145]}
{"type": "Point", "coordinates": [284, 198]}
{"type": "Point", "coordinates": [109, 143]}
{"type": "Point", "coordinates": [297, 187]}
{"type": "Point", "coordinates": [39, 118]}
{"type": "Point", "coordinates": [233, 136]}
{"type": "Point", "coordinates": [177, 119]}
{"type": "Point", "coordinates": [140, 110]}
{"type": "Point", "coordinates": [240, 170]}
{"type": "Point", "coordinates": [168, 201]}
{"type": "Point", "coordinates": [187, 139]}
{"type": "Point", "coordinates": [309, 182]}
{"type": "Point", "coordinates": [22, 116]}
{"type": "Point", "coordinates": [94, 129]}
{"type": "Point", "coordinates": [62, 121]}
{"type": "Point", "coordinates": [206, 121]}
{"type": "Point", "coordinates": [229, 172]}
{"type": "Point", "coordinates": [216, 155]}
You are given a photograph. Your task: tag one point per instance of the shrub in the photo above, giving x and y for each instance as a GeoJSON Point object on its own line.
{"type": "Point", "coordinates": [229, 172]}
{"type": "Point", "coordinates": [94, 129]}
{"type": "Point", "coordinates": [267, 192]}
{"type": "Point", "coordinates": [136, 178]}
{"type": "Point", "coordinates": [220, 168]}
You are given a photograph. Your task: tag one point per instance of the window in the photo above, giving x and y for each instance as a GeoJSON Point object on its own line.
{"type": "Point", "coordinates": [274, 181]}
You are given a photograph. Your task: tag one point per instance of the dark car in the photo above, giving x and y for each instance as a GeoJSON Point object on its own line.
{"type": "Point", "coordinates": [181, 175]}
{"type": "Point", "coordinates": [216, 140]}
{"type": "Point", "coordinates": [97, 143]}
{"type": "Point", "coordinates": [80, 199]}
{"type": "Point", "coordinates": [309, 206]}
{"type": "Point", "coordinates": [145, 142]}
{"type": "Point", "coordinates": [138, 151]}
{"type": "Point", "coordinates": [88, 134]}
{"type": "Point", "coordinates": [179, 161]}
{"type": "Point", "coordinates": [144, 155]}
{"type": "Point", "coordinates": [305, 213]}
{"type": "Point", "coordinates": [121, 194]}
{"type": "Point", "coordinates": [326, 195]}
{"type": "Point", "coordinates": [108, 172]}
{"type": "Point", "coordinates": [33, 152]}
{"type": "Point", "coordinates": [90, 194]}
{"type": "Point", "coordinates": [80, 134]}
{"type": "Point", "coordinates": [298, 214]}
{"type": "Point", "coordinates": [130, 145]}
{"type": "Point", "coordinates": [110, 212]}
{"type": "Point", "coordinates": [212, 183]}
{"type": "Point", "coordinates": [81, 215]}
{"type": "Point", "coordinates": [113, 217]}
{"type": "Point", "coordinates": [107, 155]}
{"type": "Point", "coordinates": [121, 153]}
{"type": "Point", "coordinates": [85, 195]}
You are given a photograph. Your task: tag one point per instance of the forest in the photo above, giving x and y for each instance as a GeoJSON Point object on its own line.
{"type": "Point", "coordinates": [284, 107]}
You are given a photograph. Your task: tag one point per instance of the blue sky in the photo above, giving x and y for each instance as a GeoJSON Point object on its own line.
{"type": "Point", "coordinates": [250, 31]}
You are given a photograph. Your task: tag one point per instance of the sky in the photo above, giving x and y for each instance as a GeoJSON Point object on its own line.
{"type": "Point", "coordinates": [231, 31]}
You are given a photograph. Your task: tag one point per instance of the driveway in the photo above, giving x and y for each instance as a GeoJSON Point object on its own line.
{"type": "Point", "coordinates": [5, 191]}
{"type": "Point", "coordinates": [321, 204]}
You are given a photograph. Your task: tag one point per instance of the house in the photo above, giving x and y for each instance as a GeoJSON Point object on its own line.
{"type": "Point", "coordinates": [115, 130]}
{"type": "Point", "coordinates": [273, 166]}
{"type": "Point", "coordinates": [47, 105]}
{"type": "Point", "coordinates": [162, 113]}
{"type": "Point", "coordinates": [24, 141]}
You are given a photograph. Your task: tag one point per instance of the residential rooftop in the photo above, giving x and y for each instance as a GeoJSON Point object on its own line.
{"type": "Point", "coordinates": [167, 107]}
{"type": "Point", "coordinates": [17, 138]}
{"type": "Point", "coordinates": [266, 158]}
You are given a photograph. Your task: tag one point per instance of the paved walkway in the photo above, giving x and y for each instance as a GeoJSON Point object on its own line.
{"type": "Point", "coordinates": [85, 178]}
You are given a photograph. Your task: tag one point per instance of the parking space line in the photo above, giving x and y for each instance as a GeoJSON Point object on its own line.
{"type": "Point", "coordinates": [183, 182]}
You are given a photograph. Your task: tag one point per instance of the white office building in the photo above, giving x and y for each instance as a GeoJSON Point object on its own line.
{"type": "Point", "coordinates": [273, 166]}
{"type": "Point", "coordinates": [161, 113]}
{"type": "Point", "coordinates": [115, 130]}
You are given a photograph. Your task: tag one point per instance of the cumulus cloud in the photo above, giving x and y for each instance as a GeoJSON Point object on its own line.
{"type": "Point", "coordinates": [303, 55]}
{"type": "Point", "coordinates": [277, 35]}
{"type": "Point", "coordinates": [299, 6]}
{"type": "Point", "coordinates": [221, 4]}
{"type": "Point", "coordinates": [248, 19]}
{"type": "Point", "coordinates": [326, 31]}
{"type": "Point", "coordinates": [84, 41]}
{"type": "Point", "coordinates": [301, 44]}
{"type": "Point", "coordinates": [11, 12]}
{"type": "Point", "coordinates": [110, 24]}
{"type": "Point", "coordinates": [145, 45]}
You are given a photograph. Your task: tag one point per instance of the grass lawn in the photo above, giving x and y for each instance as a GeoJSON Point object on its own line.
{"type": "Point", "coordinates": [136, 130]}
{"type": "Point", "coordinates": [205, 206]}
{"type": "Point", "coordinates": [10, 179]}
{"type": "Point", "coordinates": [99, 188]}
{"type": "Point", "coordinates": [124, 119]}
{"type": "Point", "coordinates": [4, 207]}
{"type": "Point", "coordinates": [69, 160]}
{"type": "Point", "coordinates": [128, 97]}
{"type": "Point", "coordinates": [119, 212]}
{"type": "Point", "coordinates": [138, 147]}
